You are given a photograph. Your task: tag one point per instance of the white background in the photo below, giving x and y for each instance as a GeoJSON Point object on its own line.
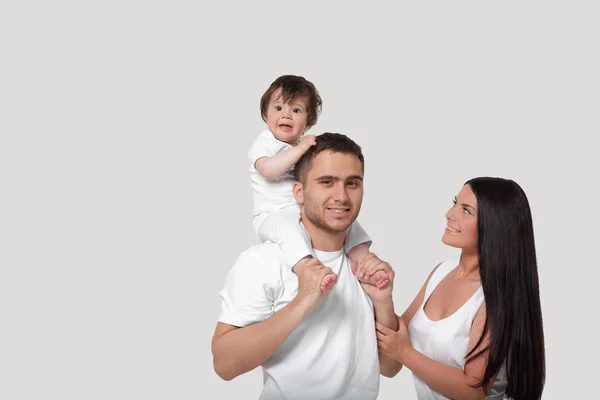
{"type": "Point", "coordinates": [124, 194]}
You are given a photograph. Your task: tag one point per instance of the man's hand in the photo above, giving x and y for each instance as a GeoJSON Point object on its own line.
{"type": "Point", "coordinates": [368, 266]}
{"type": "Point", "coordinates": [310, 277]}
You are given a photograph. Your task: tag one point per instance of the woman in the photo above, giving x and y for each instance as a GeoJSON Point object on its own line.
{"type": "Point", "coordinates": [475, 328]}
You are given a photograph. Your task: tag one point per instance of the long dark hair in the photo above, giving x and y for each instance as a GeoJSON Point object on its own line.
{"type": "Point", "coordinates": [509, 277]}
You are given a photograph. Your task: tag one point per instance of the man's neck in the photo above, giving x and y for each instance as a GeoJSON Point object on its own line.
{"type": "Point", "coordinates": [324, 240]}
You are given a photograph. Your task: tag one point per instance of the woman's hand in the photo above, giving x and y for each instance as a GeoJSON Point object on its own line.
{"type": "Point", "coordinates": [392, 343]}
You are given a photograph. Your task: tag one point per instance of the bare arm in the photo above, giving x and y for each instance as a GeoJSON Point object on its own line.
{"type": "Point", "coordinates": [386, 316]}
{"type": "Point", "coordinates": [277, 165]}
{"type": "Point", "coordinates": [383, 305]}
{"type": "Point", "coordinates": [239, 350]}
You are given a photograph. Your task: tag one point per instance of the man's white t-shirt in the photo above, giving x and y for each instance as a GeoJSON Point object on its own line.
{"type": "Point", "coordinates": [332, 354]}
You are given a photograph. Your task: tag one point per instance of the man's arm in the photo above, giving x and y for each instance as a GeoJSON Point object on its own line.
{"type": "Point", "coordinates": [383, 305]}
{"type": "Point", "coordinates": [385, 314]}
{"type": "Point", "coordinates": [237, 350]}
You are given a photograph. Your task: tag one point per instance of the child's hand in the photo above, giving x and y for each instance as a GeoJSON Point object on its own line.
{"type": "Point", "coordinates": [307, 142]}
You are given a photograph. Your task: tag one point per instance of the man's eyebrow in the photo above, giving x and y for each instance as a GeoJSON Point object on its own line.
{"type": "Point", "coordinates": [355, 177]}
{"type": "Point", "coordinates": [336, 178]}
{"type": "Point", "coordinates": [326, 178]}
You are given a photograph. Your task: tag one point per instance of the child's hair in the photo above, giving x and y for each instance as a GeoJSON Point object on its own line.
{"type": "Point", "coordinates": [293, 87]}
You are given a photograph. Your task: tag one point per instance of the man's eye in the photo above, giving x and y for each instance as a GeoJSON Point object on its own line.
{"type": "Point", "coordinates": [353, 183]}
{"type": "Point", "coordinates": [326, 182]}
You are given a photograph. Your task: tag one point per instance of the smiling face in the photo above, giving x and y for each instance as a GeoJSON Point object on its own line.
{"type": "Point", "coordinates": [461, 230]}
{"type": "Point", "coordinates": [286, 121]}
{"type": "Point", "coordinates": [332, 193]}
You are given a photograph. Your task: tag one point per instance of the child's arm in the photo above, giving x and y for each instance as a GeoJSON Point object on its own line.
{"type": "Point", "coordinates": [277, 165]}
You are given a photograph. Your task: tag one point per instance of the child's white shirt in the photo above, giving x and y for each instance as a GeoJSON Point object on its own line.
{"type": "Point", "coordinates": [269, 195]}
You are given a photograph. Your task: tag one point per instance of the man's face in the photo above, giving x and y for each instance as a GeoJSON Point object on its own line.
{"type": "Point", "coordinates": [332, 194]}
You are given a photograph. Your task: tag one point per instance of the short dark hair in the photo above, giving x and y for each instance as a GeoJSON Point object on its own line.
{"type": "Point", "coordinates": [334, 142]}
{"type": "Point", "coordinates": [293, 87]}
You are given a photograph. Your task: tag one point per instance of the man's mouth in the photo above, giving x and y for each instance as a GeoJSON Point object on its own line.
{"type": "Point", "coordinates": [339, 212]}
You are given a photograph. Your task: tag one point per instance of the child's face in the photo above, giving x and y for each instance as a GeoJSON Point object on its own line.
{"type": "Point", "coordinates": [287, 121]}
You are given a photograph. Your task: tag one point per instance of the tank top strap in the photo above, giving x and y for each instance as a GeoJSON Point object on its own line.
{"type": "Point", "coordinates": [439, 274]}
{"type": "Point", "coordinates": [472, 306]}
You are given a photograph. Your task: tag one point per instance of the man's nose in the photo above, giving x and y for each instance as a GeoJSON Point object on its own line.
{"type": "Point", "coordinates": [341, 193]}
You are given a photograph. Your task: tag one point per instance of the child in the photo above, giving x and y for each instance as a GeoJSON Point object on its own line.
{"type": "Point", "coordinates": [290, 107]}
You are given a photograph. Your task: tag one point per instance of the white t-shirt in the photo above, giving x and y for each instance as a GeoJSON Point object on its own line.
{"type": "Point", "coordinates": [269, 195]}
{"type": "Point", "coordinates": [332, 354]}
{"type": "Point", "coordinates": [447, 340]}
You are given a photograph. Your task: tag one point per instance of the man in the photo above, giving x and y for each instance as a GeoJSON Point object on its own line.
{"type": "Point", "coordinates": [311, 344]}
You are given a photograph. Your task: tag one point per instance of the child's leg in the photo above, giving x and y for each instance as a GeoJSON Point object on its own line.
{"type": "Point", "coordinates": [284, 228]}
{"type": "Point", "coordinates": [357, 246]}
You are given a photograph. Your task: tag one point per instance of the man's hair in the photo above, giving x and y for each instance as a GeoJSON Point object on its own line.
{"type": "Point", "coordinates": [334, 142]}
{"type": "Point", "coordinates": [294, 87]}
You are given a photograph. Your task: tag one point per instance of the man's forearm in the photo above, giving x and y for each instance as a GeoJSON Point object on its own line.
{"type": "Point", "coordinates": [243, 349]}
{"type": "Point", "coordinates": [385, 315]}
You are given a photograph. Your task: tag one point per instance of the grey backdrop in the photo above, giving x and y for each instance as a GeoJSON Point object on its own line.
{"type": "Point", "coordinates": [125, 198]}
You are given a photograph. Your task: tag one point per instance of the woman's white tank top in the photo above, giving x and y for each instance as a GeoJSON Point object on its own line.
{"type": "Point", "coordinates": [446, 340]}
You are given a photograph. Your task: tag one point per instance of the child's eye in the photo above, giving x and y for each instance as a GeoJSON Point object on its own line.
{"type": "Point", "coordinates": [297, 110]}
{"type": "Point", "coordinates": [278, 108]}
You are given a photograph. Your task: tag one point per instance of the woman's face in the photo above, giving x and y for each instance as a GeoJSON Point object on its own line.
{"type": "Point", "coordinates": [461, 231]}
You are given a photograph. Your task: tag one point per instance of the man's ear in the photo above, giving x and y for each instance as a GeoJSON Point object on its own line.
{"type": "Point", "coordinates": [298, 191]}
